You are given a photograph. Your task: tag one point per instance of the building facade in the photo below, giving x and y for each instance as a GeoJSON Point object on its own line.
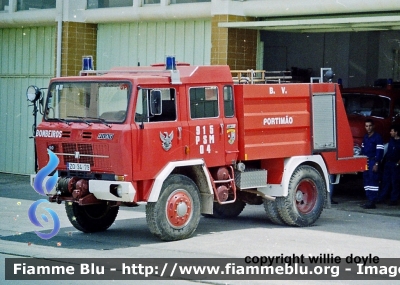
{"type": "Point", "coordinates": [40, 39]}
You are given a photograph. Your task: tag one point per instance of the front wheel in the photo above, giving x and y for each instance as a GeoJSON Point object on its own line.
{"type": "Point", "coordinates": [176, 214]}
{"type": "Point", "coordinates": [91, 218]}
{"type": "Point", "coordinates": [306, 197]}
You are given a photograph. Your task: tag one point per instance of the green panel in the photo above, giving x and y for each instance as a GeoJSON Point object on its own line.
{"type": "Point", "coordinates": [33, 51]}
{"type": "Point", "coordinates": [27, 57]}
{"type": "Point", "coordinates": [3, 122]}
{"type": "Point", "coordinates": [5, 57]}
{"type": "Point", "coordinates": [104, 49]}
{"type": "Point", "coordinates": [170, 32]}
{"type": "Point", "coordinates": [19, 44]}
{"type": "Point", "coordinates": [189, 42]}
{"type": "Point", "coordinates": [11, 50]}
{"type": "Point", "coordinates": [40, 38]}
{"type": "Point", "coordinates": [161, 42]}
{"type": "Point", "coordinates": [1, 48]}
{"type": "Point", "coordinates": [115, 52]}
{"type": "Point", "coordinates": [124, 55]}
{"type": "Point", "coordinates": [133, 44]}
{"type": "Point", "coordinates": [25, 48]}
{"type": "Point", "coordinates": [142, 46]}
{"type": "Point", "coordinates": [49, 49]}
{"type": "Point", "coordinates": [180, 42]}
{"type": "Point", "coordinates": [150, 42]}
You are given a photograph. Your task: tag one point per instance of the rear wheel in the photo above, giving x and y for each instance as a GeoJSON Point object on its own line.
{"type": "Point", "coordinates": [176, 214]}
{"type": "Point", "coordinates": [271, 209]}
{"type": "Point", "coordinates": [91, 218]}
{"type": "Point", "coordinates": [306, 196]}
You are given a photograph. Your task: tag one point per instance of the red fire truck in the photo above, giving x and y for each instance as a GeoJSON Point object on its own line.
{"type": "Point", "coordinates": [187, 141]}
{"type": "Point", "coordinates": [380, 103]}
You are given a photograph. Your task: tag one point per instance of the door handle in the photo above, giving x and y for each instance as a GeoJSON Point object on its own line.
{"type": "Point", "coordinates": [179, 133]}
{"type": "Point", "coordinates": [222, 128]}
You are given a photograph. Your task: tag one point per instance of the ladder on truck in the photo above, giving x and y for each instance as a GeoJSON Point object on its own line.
{"type": "Point", "coordinates": [251, 76]}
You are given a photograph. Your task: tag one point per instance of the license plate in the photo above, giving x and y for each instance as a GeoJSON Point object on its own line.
{"type": "Point", "coordinates": [79, 166]}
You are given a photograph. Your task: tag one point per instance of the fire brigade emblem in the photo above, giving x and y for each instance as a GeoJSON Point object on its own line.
{"type": "Point", "coordinates": [166, 140]}
{"type": "Point", "coordinates": [231, 135]}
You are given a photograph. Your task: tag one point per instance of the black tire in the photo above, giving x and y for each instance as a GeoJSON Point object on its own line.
{"type": "Point", "coordinates": [91, 218]}
{"type": "Point", "coordinates": [306, 197]}
{"type": "Point", "coordinates": [271, 208]}
{"type": "Point", "coordinates": [228, 211]}
{"type": "Point", "coordinates": [176, 214]}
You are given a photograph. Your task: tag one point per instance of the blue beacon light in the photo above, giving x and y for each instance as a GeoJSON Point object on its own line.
{"type": "Point", "coordinates": [87, 62]}
{"type": "Point", "coordinates": [170, 63]}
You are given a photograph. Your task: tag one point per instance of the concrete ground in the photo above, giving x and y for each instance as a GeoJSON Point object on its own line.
{"type": "Point", "coordinates": [350, 195]}
{"type": "Point", "coordinates": [344, 229]}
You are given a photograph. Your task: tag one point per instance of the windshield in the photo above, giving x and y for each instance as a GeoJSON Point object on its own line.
{"type": "Point", "coordinates": [72, 101]}
{"type": "Point", "coordinates": [366, 104]}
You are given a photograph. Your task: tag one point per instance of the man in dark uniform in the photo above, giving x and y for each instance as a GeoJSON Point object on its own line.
{"type": "Point", "coordinates": [391, 169]}
{"type": "Point", "coordinates": [372, 147]}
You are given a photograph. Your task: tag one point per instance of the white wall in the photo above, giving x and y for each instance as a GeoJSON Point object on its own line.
{"type": "Point", "coordinates": [26, 58]}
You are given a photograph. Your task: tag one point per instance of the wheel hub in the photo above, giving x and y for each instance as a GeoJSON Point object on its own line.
{"type": "Point", "coordinates": [179, 209]}
{"type": "Point", "coordinates": [306, 196]}
{"type": "Point", "coordinates": [299, 196]}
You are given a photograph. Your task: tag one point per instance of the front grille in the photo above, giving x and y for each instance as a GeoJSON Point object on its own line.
{"type": "Point", "coordinates": [87, 135]}
{"type": "Point", "coordinates": [66, 134]}
{"type": "Point", "coordinates": [95, 155]}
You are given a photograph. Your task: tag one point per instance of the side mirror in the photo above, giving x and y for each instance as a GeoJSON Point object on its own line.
{"type": "Point", "coordinates": [155, 102]}
{"type": "Point", "coordinates": [33, 93]}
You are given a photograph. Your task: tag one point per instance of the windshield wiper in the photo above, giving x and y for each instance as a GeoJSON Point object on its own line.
{"type": "Point", "coordinates": [91, 118]}
{"type": "Point", "coordinates": [100, 119]}
{"type": "Point", "coordinates": [81, 118]}
{"type": "Point", "coordinates": [59, 120]}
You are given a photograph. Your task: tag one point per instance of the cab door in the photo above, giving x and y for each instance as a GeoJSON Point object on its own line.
{"type": "Point", "coordinates": [159, 132]}
{"type": "Point", "coordinates": [206, 125]}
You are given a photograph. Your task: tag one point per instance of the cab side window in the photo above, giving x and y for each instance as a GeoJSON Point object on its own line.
{"type": "Point", "coordinates": [167, 107]}
{"type": "Point", "coordinates": [228, 102]}
{"type": "Point", "coordinates": [203, 102]}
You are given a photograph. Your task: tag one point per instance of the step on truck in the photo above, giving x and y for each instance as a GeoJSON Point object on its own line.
{"type": "Point", "coordinates": [186, 141]}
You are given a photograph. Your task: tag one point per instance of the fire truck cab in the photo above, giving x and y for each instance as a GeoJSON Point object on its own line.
{"type": "Point", "coordinates": [187, 141]}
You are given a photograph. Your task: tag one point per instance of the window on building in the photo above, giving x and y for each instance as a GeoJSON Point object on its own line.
{"type": "Point", "coordinates": [188, 1]}
{"type": "Point", "coordinates": [3, 3]}
{"type": "Point", "coordinates": [203, 102]}
{"type": "Point", "coordinates": [151, 1]}
{"type": "Point", "coordinates": [228, 102]}
{"type": "Point", "coordinates": [35, 4]}
{"type": "Point", "coordinates": [94, 4]}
